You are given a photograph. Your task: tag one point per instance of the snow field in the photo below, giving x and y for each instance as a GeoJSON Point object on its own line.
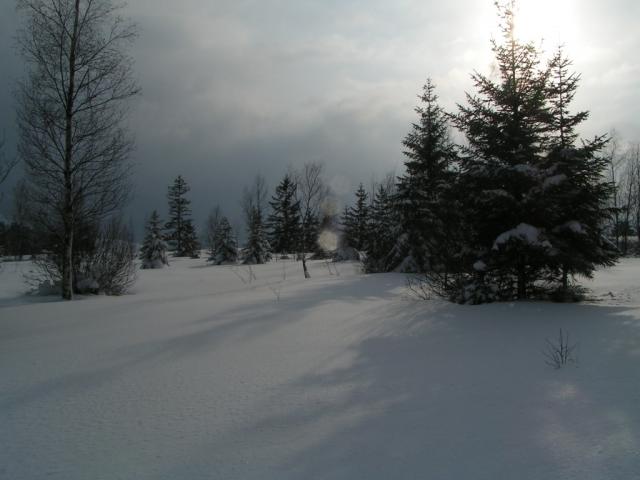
{"type": "Point", "coordinates": [199, 374]}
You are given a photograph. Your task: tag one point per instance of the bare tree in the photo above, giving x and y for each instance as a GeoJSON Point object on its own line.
{"type": "Point", "coordinates": [312, 191]}
{"type": "Point", "coordinates": [634, 161]}
{"type": "Point", "coordinates": [629, 189]}
{"type": "Point", "coordinates": [72, 107]}
{"type": "Point", "coordinates": [624, 173]}
{"type": "Point", "coordinates": [254, 198]}
{"type": "Point", "coordinates": [5, 165]}
{"type": "Point", "coordinates": [614, 173]}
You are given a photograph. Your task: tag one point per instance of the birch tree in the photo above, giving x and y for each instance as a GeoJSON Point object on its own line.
{"type": "Point", "coordinates": [72, 105]}
{"type": "Point", "coordinates": [312, 191]}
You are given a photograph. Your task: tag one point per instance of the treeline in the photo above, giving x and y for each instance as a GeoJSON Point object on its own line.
{"type": "Point", "coordinates": [518, 209]}
{"type": "Point", "coordinates": [624, 175]}
{"type": "Point", "coordinates": [286, 223]}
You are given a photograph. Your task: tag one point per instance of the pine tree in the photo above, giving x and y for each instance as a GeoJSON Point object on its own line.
{"type": "Point", "coordinates": [190, 242]}
{"type": "Point", "coordinates": [284, 221]}
{"type": "Point", "coordinates": [384, 228]}
{"type": "Point", "coordinates": [257, 250]}
{"type": "Point", "coordinates": [153, 253]}
{"type": "Point", "coordinates": [534, 204]}
{"type": "Point", "coordinates": [355, 222]}
{"type": "Point", "coordinates": [180, 230]}
{"type": "Point", "coordinates": [574, 187]}
{"type": "Point", "coordinates": [224, 249]}
{"type": "Point", "coordinates": [506, 126]}
{"type": "Point", "coordinates": [211, 228]}
{"type": "Point", "coordinates": [424, 191]}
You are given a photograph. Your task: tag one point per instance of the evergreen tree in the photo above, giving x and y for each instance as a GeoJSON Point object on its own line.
{"type": "Point", "coordinates": [180, 230]}
{"type": "Point", "coordinates": [425, 190]}
{"type": "Point", "coordinates": [506, 126]}
{"type": "Point", "coordinates": [284, 221]}
{"type": "Point", "coordinates": [211, 229]}
{"type": "Point", "coordinates": [575, 188]}
{"type": "Point", "coordinates": [355, 222]}
{"type": "Point", "coordinates": [257, 250]}
{"type": "Point", "coordinates": [224, 248]}
{"type": "Point", "coordinates": [530, 196]}
{"type": "Point", "coordinates": [153, 252]}
{"type": "Point", "coordinates": [384, 230]}
{"type": "Point", "coordinates": [190, 242]}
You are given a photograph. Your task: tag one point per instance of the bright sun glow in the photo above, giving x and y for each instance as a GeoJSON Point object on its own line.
{"type": "Point", "coordinates": [550, 21]}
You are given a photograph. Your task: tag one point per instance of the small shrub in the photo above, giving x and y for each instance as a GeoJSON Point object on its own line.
{"type": "Point", "coordinates": [559, 353]}
{"type": "Point", "coordinates": [105, 266]}
{"type": "Point", "coordinates": [571, 294]}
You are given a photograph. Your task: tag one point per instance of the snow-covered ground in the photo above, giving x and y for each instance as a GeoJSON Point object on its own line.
{"type": "Point", "coordinates": [200, 374]}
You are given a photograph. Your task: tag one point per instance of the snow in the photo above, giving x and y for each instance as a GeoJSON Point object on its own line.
{"type": "Point", "coordinates": [479, 266]}
{"type": "Point", "coordinates": [526, 169]}
{"type": "Point", "coordinates": [523, 232]}
{"type": "Point", "coordinates": [574, 226]}
{"type": "Point", "coordinates": [199, 375]}
{"type": "Point", "coordinates": [498, 192]}
{"type": "Point", "coordinates": [554, 181]}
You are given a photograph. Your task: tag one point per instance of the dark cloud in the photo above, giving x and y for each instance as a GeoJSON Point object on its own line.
{"type": "Point", "coordinates": [235, 88]}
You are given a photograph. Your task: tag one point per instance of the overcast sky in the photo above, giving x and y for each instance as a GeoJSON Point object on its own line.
{"type": "Point", "coordinates": [232, 88]}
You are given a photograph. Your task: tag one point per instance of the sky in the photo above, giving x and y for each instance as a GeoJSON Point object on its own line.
{"type": "Point", "coordinates": [233, 88]}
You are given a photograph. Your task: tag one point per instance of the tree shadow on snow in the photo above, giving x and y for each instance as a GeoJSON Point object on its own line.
{"type": "Point", "coordinates": [465, 393]}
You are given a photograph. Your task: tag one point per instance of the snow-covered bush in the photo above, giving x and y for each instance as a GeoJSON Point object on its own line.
{"type": "Point", "coordinates": [257, 251]}
{"type": "Point", "coordinates": [223, 248]}
{"type": "Point", "coordinates": [153, 253]}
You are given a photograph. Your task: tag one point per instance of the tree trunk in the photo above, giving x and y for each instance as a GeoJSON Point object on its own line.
{"type": "Point", "coordinates": [565, 278]}
{"type": "Point", "coordinates": [67, 255]}
{"type": "Point", "coordinates": [522, 281]}
{"type": "Point", "coordinates": [304, 266]}
{"type": "Point", "coordinates": [67, 264]}
{"type": "Point", "coordinates": [303, 253]}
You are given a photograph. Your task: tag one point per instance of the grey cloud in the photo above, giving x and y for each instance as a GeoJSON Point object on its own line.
{"type": "Point", "coordinates": [235, 88]}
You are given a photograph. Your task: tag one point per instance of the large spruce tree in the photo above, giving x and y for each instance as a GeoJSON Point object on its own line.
{"type": "Point", "coordinates": [530, 196]}
{"type": "Point", "coordinates": [575, 188]}
{"type": "Point", "coordinates": [506, 124]}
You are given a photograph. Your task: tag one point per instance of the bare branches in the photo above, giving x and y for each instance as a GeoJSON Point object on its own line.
{"type": "Point", "coordinates": [559, 353]}
{"type": "Point", "coordinates": [90, 89]}
{"type": "Point", "coordinates": [254, 198]}
{"type": "Point", "coordinates": [311, 189]}
{"type": "Point", "coordinates": [5, 165]}
{"type": "Point", "coordinates": [72, 107]}
{"type": "Point", "coordinates": [311, 192]}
